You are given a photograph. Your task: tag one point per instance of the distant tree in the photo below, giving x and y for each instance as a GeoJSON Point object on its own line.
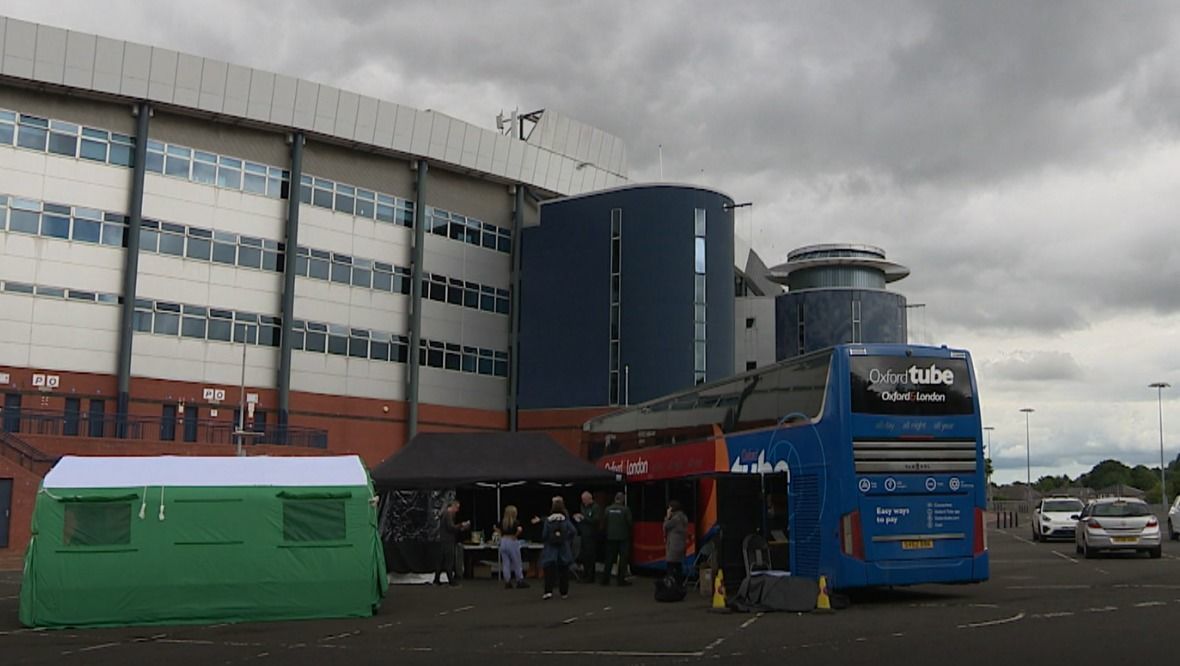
{"type": "Point", "coordinates": [1144, 478]}
{"type": "Point", "coordinates": [1047, 484]}
{"type": "Point", "coordinates": [1106, 473]}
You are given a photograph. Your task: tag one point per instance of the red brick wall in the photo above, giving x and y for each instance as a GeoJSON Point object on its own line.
{"type": "Point", "coordinates": [371, 428]}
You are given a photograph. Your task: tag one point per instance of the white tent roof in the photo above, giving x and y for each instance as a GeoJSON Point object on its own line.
{"type": "Point", "coordinates": [137, 472]}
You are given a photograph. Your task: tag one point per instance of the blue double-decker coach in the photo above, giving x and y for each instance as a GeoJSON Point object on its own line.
{"type": "Point", "coordinates": [862, 463]}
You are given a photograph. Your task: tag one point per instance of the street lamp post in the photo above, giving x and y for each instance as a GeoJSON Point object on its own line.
{"type": "Point", "coordinates": [987, 494]}
{"type": "Point", "coordinates": [1159, 393]}
{"type": "Point", "coordinates": [1027, 455]}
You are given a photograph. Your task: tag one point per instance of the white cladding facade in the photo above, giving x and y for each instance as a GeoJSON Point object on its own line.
{"type": "Point", "coordinates": [214, 209]}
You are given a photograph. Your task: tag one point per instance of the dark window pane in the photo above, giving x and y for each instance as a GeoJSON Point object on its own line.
{"type": "Point", "coordinates": [361, 278]}
{"type": "Point", "coordinates": [220, 329]}
{"type": "Point", "coordinates": [379, 351]}
{"type": "Point", "coordinates": [318, 269]}
{"type": "Point", "coordinates": [112, 234]}
{"type": "Point", "coordinates": [315, 342]}
{"type": "Point", "coordinates": [485, 366]}
{"type": "Point", "coordinates": [338, 344]}
{"type": "Point", "coordinates": [501, 368]}
{"type": "Point", "coordinates": [63, 144]}
{"type": "Point", "coordinates": [502, 305]}
{"type": "Point", "coordinates": [24, 221]}
{"type": "Point", "coordinates": [268, 336]}
{"type": "Point", "coordinates": [358, 347]}
{"type": "Point", "coordinates": [345, 204]}
{"type": "Point", "coordinates": [143, 321]}
{"type": "Point", "coordinates": [87, 231]}
{"type": "Point", "coordinates": [172, 244]}
{"type": "Point", "coordinates": [270, 261]}
{"type": "Point", "coordinates": [452, 361]}
{"type": "Point", "coordinates": [166, 323]}
{"type": "Point", "coordinates": [31, 137]}
{"type": "Point", "coordinates": [341, 273]}
{"type": "Point", "coordinates": [193, 327]}
{"type": "Point", "coordinates": [471, 298]}
{"type": "Point", "coordinates": [55, 226]}
{"type": "Point", "coordinates": [6, 133]}
{"type": "Point", "coordinates": [249, 257]}
{"type": "Point", "coordinates": [322, 198]}
{"type": "Point", "coordinates": [224, 253]}
{"type": "Point", "coordinates": [364, 208]}
{"type": "Point", "coordinates": [198, 248]}
{"type": "Point", "coordinates": [155, 162]}
{"type": "Point", "coordinates": [121, 154]}
{"type": "Point", "coordinates": [382, 281]}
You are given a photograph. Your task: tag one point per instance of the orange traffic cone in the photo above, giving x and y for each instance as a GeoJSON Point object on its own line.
{"type": "Point", "coordinates": [719, 602]}
{"type": "Point", "coordinates": [823, 603]}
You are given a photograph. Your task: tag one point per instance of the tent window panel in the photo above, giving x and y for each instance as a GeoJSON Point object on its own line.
{"type": "Point", "coordinates": [313, 520]}
{"type": "Point", "coordinates": [97, 524]}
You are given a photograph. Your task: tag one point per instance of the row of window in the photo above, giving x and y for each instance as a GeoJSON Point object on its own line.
{"type": "Point", "coordinates": [100, 227]}
{"type": "Point", "coordinates": [89, 143]}
{"type": "Point", "coordinates": [221, 170]}
{"type": "Point", "coordinates": [616, 380]}
{"type": "Point", "coordinates": [357, 201]}
{"type": "Point", "coordinates": [223, 325]}
{"type": "Point", "coordinates": [699, 283]}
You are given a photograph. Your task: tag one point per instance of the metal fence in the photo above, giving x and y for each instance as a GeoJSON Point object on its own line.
{"type": "Point", "coordinates": [157, 429]}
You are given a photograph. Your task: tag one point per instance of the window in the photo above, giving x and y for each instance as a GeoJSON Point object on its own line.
{"type": "Point", "coordinates": [32, 132]}
{"type": "Point", "coordinates": [313, 520]}
{"type": "Point", "coordinates": [96, 419]}
{"type": "Point", "coordinates": [749, 322]}
{"type": "Point", "coordinates": [72, 415]}
{"type": "Point", "coordinates": [97, 524]}
{"type": "Point", "coordinates": [192, 415]}
{"type": "Point", "coordinates": [63, 138]}
{"type": "Point", "coordinates": [168, 423]}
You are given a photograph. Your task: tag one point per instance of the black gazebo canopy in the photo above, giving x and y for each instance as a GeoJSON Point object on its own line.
{"type": "Point", "coordinates": [449, 459]}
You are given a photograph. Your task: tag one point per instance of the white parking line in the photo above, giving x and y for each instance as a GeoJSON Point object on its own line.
{"type": "Point", "coordinates": [1049, 587]}
{"type": "Point", "coordinates": [1149, 604]}
{"type": "Point", "coordinates": [992, 623]}
{"type": "Point", "coordinates": [1063, 556]}
{"type": "Point", "coordinates": [1104, 609]}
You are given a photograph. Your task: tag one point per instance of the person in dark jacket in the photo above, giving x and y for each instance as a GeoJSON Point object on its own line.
{"type": "Point", "coordinates": [589, 526]}
{"type": "Point", "coordinates": [557, 555]}
{"type": "Point", "coordinates": [448, 537]}
{"type": "Point", "coordinates": [618, 538]}
{"type": "Point", "coordinates": [675, 540]}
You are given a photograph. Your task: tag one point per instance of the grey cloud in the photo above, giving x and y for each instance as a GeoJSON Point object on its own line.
{"type": "Point", "coordinates": [1039, 366]}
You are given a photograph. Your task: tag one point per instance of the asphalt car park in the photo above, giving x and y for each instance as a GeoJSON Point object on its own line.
{"type": "Point", "coordinates": [1041, 603]}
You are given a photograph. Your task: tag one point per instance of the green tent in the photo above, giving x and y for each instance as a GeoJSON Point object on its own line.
{"type": "Point", "coordinates": [171, 540]}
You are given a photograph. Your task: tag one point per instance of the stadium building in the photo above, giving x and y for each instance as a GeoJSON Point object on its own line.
{"type": "Point", "coordinates": [173, 227]}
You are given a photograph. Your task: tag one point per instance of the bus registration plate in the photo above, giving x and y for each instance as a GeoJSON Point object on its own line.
{"type": "Point", "coordinates": [917, 544]}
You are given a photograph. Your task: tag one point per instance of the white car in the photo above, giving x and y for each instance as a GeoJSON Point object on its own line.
{"type": "Point", "coordinates": [1174, 520]}
{"type": "Point", "coordinates": [1056, 518]}
{"type": "Point", "coordinates": [1117, 523]}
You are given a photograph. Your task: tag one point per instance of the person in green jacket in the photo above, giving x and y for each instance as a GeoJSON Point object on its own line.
{"type": "Point", "coordinates": [618, 538]}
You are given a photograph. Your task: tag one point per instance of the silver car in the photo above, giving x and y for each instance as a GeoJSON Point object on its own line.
{"type": "Point", "coordinates": [1117, 523]}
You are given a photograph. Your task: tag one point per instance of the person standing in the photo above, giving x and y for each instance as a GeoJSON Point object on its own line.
{"type": "Point", "coordinates": [556, 555]}
{"type": "Point", "coordinates": [675, 540]}
{"type": "Point", "coordinates": [618, 539]}
{"type": "Point", "coordinates": [510, 531]}
{"type": "Point", "coordinates": [448, 537]}
{"type": "Point", "coordinates": [589, 523]}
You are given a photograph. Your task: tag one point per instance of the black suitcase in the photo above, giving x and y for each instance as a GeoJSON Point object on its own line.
{"type": "Point", "coordinates": [667, 589]}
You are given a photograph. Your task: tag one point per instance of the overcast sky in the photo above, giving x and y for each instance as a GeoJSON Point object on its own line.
{"type": "Point", "coordinates": [1021, 158]}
